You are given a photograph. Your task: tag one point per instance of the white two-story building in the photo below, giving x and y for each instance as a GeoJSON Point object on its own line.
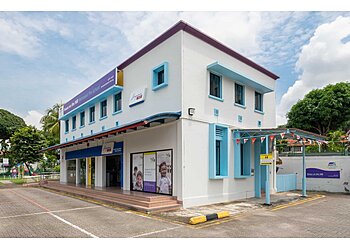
{"type": "Point", "coordinates": [163, 122]}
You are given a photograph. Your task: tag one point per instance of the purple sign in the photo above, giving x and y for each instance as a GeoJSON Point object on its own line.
{"type": "Point", "coordinates": [321, 173]}
{"type": "Point", "coordinates": [98, 87]}
{"type": "Point", "coordinates": [149, 186]}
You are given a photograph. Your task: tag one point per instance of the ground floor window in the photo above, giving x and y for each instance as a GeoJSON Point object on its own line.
{"type": "Point", "coordinates": [152, 171]}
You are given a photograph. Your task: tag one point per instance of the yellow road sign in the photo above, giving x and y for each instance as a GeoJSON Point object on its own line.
{"type": "Point", "coordinates": [266, 159]}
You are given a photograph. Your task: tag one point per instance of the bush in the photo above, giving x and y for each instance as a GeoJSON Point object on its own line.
{"type": "Point", "coordinates": [18, 181]}
{"type": "Point", "coordinates": [56, 168]}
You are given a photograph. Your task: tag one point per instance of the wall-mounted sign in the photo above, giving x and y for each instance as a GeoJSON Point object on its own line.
{"type": "Point", "coordinates": [107, 148]}
{"type": "Point", "coordinates": [152, 171]}
{"type": "Point", "coordinates": [138, 96]}
{"type": "Point", "coordinates": [266, 159]}
{"type": "Point", "coordinates": [95, 89]}
{"type": "Point", "coordinates": [5, 162]}
{"type": "Point", "coordinates": [322, 173]}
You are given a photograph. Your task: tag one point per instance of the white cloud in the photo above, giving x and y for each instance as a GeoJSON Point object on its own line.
{"type": "Point", "coordinates": [33, 118]}
{"type": "Point", "coordinates": [324, 60]}
{"type": "Point", "coordinates": [20, 34]}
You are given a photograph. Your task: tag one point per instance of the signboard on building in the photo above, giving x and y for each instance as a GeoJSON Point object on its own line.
{"type": "Point", "coordinates": [266, 159]}
{"type": "Point", "coordinates": [322, 173]}
{"type": "Point", "coordinates": [107, 148]}
{"type": "Point", "coordinates": [95, 89]}
{"type": "Point", "coordinates": [138, 96]}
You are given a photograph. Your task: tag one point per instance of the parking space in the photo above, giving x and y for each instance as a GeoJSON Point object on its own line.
{"type": "Point", "coordinates": [32, 212]}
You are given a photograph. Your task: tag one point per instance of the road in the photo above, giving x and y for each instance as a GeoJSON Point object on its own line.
{"type": "Point", "coordinates": [37, 213]}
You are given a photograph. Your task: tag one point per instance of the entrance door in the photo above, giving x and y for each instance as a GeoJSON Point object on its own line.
{"type": "Point", "coordinates": [71, 172]}
{"type": "Point", "coordinates": [82, 169]}
{"type": "Point", "coordinates": [113, 171]}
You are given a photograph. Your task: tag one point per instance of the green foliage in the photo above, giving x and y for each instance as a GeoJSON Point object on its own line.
{"type": "Point", "coordinates": [26, 144]}
{"type": "Point", "coordinates": [18, 181]}
{"type": "Point", "coordinates": [323, 110]}
{"type": "Point", "coordinates": [334, 144]}
{"type": "Point", "coordinates": [9, 123]}
{"type": "Point", "coordinates": [51, 124]}
{"type": "Point", "coordinates": [57, 168]}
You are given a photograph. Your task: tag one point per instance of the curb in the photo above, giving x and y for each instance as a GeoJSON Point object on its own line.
{"type": "Point", "coordinates": [204, 218]}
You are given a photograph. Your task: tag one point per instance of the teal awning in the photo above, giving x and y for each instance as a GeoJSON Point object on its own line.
{"type": "Point", "coordinates": [235, 76]}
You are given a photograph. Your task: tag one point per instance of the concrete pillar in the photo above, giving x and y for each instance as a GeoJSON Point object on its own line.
{"type": "Point", "coordinates": [77, 172]}
{"type": "Point", "coordinates": [100, 172]}
{"type": "Point", "coordinates": [63, 171]}
{"type": "Point", "coordinates": [87, 162]}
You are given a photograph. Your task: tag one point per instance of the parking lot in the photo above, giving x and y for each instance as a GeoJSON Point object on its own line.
{"type": "Point", "coordinates": [34, 212]}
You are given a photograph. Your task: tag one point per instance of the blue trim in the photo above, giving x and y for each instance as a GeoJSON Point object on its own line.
{"type": "Point", "coordinates": [93, 106]}
{"type": "Point", "coordinates": [91, 122]}
{"type": "Point", "coordinates": [82, 126]}
{"type": "Point", "coordinates": [102, 118]}
{"type": "Point", "coordinates": [261, 104]}
{"type": "Point", "coordinates": [216, 112]}
{"type": "Point", "coordinates": [83, 112]}
{"type": "Point", "coordinates": [216, 98]}
{"type": "Point", "coordinates": [240, 106]}
{"type": "Point", "coordinates": [223, 138]}
{"type": "Point", "coordinates": [118, 112]}
{"type": "Point", "coordinates": [240, 118]}
{"type": "Point", "coordinates": [236, 76]}
{"type": "Point", "coordinates": [73, 130]}
{"type": "Point", "coordinates": [259, 112]}
{"type": "Point", "coordinates": [114, 102]}
{"type": "Point", "coordinates": [257, 168]}
{"type": "Point", "coordinates": [93, 101]}
{"type": "Point", "coordinates": [67, 132]}
{"type": "Point", "coordinates": [237, 157]}
{"type": "Point", "coordinates": [155, 71]}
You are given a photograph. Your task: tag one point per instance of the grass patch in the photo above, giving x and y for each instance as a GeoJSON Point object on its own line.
{"type": "Point", "coordinates": [1, 183]}
{"type": "Point", "coordinates": [18, 181]}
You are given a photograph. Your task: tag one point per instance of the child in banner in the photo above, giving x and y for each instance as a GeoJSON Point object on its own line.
{"type": "Point", "coordinates": [139, 181]}
{"type": "Point", "coordinates": [164, 182]}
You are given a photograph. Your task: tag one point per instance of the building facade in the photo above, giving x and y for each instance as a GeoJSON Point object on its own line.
{"type": "Point", "coordinates": [163, 122]}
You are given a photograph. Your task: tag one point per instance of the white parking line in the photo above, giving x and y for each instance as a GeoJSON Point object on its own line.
{"type": "Point", "coordinates": [55, 211]}
{"type": "Point", "coordinates": [56, 216]}
{"type": "Point", "coordinates": [154, 232]}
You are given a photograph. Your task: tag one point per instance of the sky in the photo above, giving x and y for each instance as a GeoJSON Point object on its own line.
{"type": "Point", "coordinates": [49, 57]}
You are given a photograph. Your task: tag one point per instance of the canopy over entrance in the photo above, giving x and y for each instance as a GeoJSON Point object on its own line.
{"type": "Point", "coordinates": [268, 135]}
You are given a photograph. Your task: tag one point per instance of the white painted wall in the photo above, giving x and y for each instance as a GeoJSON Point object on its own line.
{"type": "Point", "coordinates": [138, 75]}
{"type": "Point", "coordinates": [197, 55]}
{"type": "Point", "coordinates": [294, 165]}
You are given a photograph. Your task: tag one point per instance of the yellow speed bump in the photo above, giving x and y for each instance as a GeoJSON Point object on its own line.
{"type": "Point", "coordinates": [204, 218]}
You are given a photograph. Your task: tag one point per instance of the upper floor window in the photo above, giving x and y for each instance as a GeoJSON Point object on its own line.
{"type": "Point", "coordinates": [74, 122]}
{"type": "Point", "coordinates": [92, 114]}
{"type": "Point", "coordinates": [258, 101]}
{"type": "Point", "coordinates": [66, 126]}
{"type": "Point", "coordinates": [239, 94]}
{"type": "Point", "coordinates": [117, 102]}
{"type": "Point", "coordinates": [82, 119]}
{"type": "Point", "coordinates": [160, 76]}
{"type": "Point", "coordinates": [215, 86]}
{"type": "Point", "coordinates": [103, 109]}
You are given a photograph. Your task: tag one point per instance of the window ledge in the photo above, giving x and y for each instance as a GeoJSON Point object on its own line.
{"type": "Point", "coordinates": [82, 126]}
{"type": "Point", "coordinates": [216, 98]}
{"type": "Point", "coordinates": [92, 122]}
{"type": "Point", "coordinates": [66, 132]}
{"type": "Point", "coordinates": [155, 88]}
{"type": "Point", "coordinates": [102, 118]}
{"type": "Point", "coordinates": [74, 130]}
{"type": "Point", "coordinates": [243, 176]}
{"type": "Point", "coordinates": [240, 105]}
{"type": "Point", "coordinates": [117, 112]}
{"type": "Point", "coordinates": [218, 177]}
{"type": "Point", "coordinates": [259, 112]}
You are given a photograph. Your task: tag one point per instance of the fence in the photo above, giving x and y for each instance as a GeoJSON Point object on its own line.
{"type": "Point", "coordinates": [286, 182]}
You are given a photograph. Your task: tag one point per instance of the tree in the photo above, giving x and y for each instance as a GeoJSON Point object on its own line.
{"type": "Point", "coordinates": [51, 124]}
{"type": "Point", "coordinates": [9, 123]}
{"type": "Point", "coordinates": [323, 110]}
{"type": "Point", "coordinates": [26, 144]}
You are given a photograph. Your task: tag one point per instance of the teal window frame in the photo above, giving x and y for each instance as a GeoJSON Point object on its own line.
{"type": "Point", "coordinates": [218, 151]}
{"type": "Point", "coordinates": [217, 96]}
{"type": "Point", "coordinates": [160, 83]}
{"type": "Point", "coordinates": [92, 114]}
{"type": "Point", "coordinates": [103, 116]}
{"type": "Point", "coordinates": [82, 119]}
{"type": "Point", "coordinates": [242, 157]}
{"type": "Point", "coordinates": [117, 103]}
{"type": "Point", "coordinates": [258, 102]}
{"type": "Point", "coordinates": [66, 126]}
{"type": "Point", "coordinates": [74, 123]}
{"type": "Point", "coordinates": [239, 95]}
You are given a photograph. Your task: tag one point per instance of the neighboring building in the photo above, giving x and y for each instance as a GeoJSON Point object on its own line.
{"type": "Point", "coordinates": [169, 111]}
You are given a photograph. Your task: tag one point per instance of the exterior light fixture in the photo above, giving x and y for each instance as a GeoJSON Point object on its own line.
{"type": "Point", "coordinates": [191, 111]}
